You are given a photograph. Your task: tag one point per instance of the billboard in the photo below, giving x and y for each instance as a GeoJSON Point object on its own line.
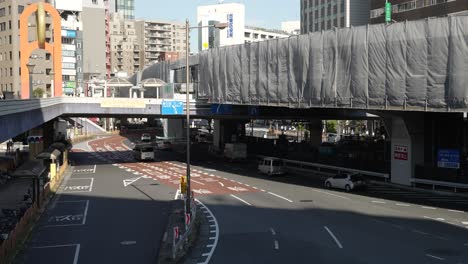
{"type": "Point", "coordinates": [230, 29]}
{"type": "Point", "coordinates": [400, 152]}
{"type": "Point", "coordinates": [448, 158]}
{"type": "Point", "coordinates": [68, 33]}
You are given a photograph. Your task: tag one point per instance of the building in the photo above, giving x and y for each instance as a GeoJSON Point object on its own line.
{"type": "Point", "coordinates": [72, 46]}
{"type": "Point", "coordinates": [126, 7]}
{"type": "Point", "coordinates": [291, 27]}
{"type": "Point", "coordinates": [169, 56]}
{"type": "Point", "coordinates": [317, 15]}
{"type": "Point", "coordinates": [403, 10]}
{"type": "Point", "coordinates": [158, 37]}
{"type": "Point", "coordinates": [236, 32]}
{"type": "Point", "coordinates": [94, 38]}
{"type": "Point", "coordinates": [124, 45]}
{"type": "Point", "coordinates": [10, 82]}
{"type": "Point", "coordinates": [255, 34]}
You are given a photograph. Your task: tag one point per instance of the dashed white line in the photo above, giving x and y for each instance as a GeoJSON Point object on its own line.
{"type": "Point", "coordinates": [379, 202]}
{"type": "Point", "coordinates": [262, 190]}
{"type": "Point", "coordinates": [400, 204]}
{"type": "Point", "coordinates": [279, 196]}
{"type": "Point", "coordinates": [94, 169]}
{"type": "Point", "coordinates": [205, 254]}
{"type": "Point", "coordinates": [428, 207]}
{"type": "Point", "coordinates": [255, 188]}
{"type": "Point", "coordinates": [272, 231]}
{"type": "Point", "coordinates": [210, 246]}
{"type": "Point", "coordinates": [241, 200]}
{"type": "Point", "coordinates": [332, 194]}
{"type": "Point", "coordinates": [420, 232]}
{"type": "Point", "coordinates": [276, 245]}
{"type": "Point", "coordinates": [220, 183]}
{"type": "Point", "coordinates": [455, 211]}
{"type": "Point", "coordinates": [334, 237]}
{"type": "Point", "coordinates": [201, 183]}
{"type": "Point", "coordinates": [465, 223]}
{"type": "Point", "coordinates": [216, 231]}
{"type": "Point", "coordinates": [432, 256]}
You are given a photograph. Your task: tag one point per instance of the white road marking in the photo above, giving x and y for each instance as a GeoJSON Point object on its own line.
{"type": "Point", "coordinates": [465, 223]}
{"type": "Point", "coordinates": [127, 243]}
{"type": "Point", "coordinates": [94, 170]}
{"type": "Point", "coordinates": [455, 211]}
{"type": "Point", "coordinates": [276, 245]}
{"type": "Point", "coordinates": [211, 237]}
{"type": "Point", "coordinates": [279, 196]}
{"type": "Point", "coordinates": [255, 188]}
{"type": "Point", "coordinates": [85, 212]}
{"type": "Point", "coordinates": [210, 246]}
{"type": "Point", "coordinates": [379, 202]}
{"type": "Point", "coordinates": [205, 254]}
{"type": "Point", "coordinates": [272, 231]}
{"type": "Point", "coordinates": [221, 184]}
{"type": "Point", "coordinates": [241, 200]}
{"type": "Point", "coordinates": [432, 256]}
{"type": "Point", "coordinates": [400, 204]}
{"type": "Point", "coordinates": [419, 232]}
{"type": "Point", "coordinates": [77, 250]}
{"type": "Point", "coordinates": [127, 182]}
{"type": "Point", "coordinates": [216, 231]}
{"type": "Point", "coordinates": [201, 183]}
{"type": "Point", "coordinates": [428, 207]}
{"type": "Point", "coordinates": [262, 190]}
{"type": "Point", "coordinates": [332, 194]}
{"type": "Point", "coordinates": [334, 237]}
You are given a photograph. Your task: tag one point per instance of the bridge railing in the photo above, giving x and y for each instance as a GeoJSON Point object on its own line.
{"type": "Point", "coordinates": [328, 170]}
{"type": "Point", "coordinates": [415, 182]}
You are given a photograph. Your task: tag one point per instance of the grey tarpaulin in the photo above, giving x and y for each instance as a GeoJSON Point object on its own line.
{"type": "Point", "coordinates": [411, 65]}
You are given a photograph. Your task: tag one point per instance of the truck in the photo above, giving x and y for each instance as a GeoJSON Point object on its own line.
{"type": "Point", "coordinates": [235, 151]}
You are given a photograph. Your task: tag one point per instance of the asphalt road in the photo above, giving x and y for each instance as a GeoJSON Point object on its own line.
{"type": "Point", "coordinates": [252, 218]}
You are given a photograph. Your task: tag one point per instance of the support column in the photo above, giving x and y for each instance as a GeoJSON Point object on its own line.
{"type": "Point", "coordinates": [227, 131]}
{"type": "Point", "coordinates": [315, 135]}
{"type": "Point", "coordinates": [173, 128]}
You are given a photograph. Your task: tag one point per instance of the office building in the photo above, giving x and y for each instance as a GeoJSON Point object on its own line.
{"type": "Point", "coordinates": [126, 7]}
{"type": "Point", "coordinates": [236, 33]}
{"type": "Point", "coordinates": [158, 37]}
{"type": "Point", "coordinates": [317, 15]}
{"type": "Point", "coordinates": [403, 10]}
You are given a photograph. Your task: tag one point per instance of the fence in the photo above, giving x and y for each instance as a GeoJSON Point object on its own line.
{"type": "Point", "coordinates": [435, 184]}
{"type": "Point", "coordinates": [328, 169]}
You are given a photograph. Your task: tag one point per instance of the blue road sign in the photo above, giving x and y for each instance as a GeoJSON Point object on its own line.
{"type": "Point", "coordinates": [448, 158]}
{"type": "Point", "coordinates": [254, 111]}
{"type": "Point", "coordinates": [172, 108]}
{"type": "Point", "coordinates": [221, 109]}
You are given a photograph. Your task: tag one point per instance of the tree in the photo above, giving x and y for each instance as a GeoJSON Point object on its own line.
{"type": "Point", "coordinates": [38, 93]}
{"type": "Point", "coordinates": [331, 126]}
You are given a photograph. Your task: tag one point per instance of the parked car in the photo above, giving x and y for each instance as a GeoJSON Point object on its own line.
{"type": "Point", "coordinates": [143, 152]}
{"type": "Point", "coordinates": [346, 181]}
{"type": "Point", "coordinates": [271, 166]}
{"type": "Point", "coordinates": [145, 138]}
{"type": "Point", "coordinates": [164, 145]}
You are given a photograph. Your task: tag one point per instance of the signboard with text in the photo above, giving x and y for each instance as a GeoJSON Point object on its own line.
{"type": "Point", "coordinates": [448, 158]}
{"type": "Point", "coordinates": [230, 29]}
{"type": "Point", "coordinates": [400, 152]}
{"type": "Point", "coordinates": [172, 108]}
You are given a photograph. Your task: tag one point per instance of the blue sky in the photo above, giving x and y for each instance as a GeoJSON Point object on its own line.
{"type": "Point", "coordinates": [261, 13]}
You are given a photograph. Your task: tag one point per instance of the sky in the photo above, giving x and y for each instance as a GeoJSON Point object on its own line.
{"type": "Point", "coordinates": [261, 13]}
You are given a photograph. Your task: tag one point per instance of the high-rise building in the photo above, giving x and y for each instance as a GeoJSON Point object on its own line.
{"type": "Point", "coordinates": [126, 7]}
{"type": "Point", "coordinates": [10, 82]}
{"type": "Point", "coordinates": [403, 10]}
{"type": "Point", "coordinates": [159, 37]}
{"type": "Point", "coordinates": [319, 15]}
{"type": "Point", "coordinates": [236, 33]}
{"type": "Point", "coordinates": [94, 38]}
{"type": "Point", "coordinates": [124, 45]}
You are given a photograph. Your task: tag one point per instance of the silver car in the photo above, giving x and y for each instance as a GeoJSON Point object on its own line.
{"type": "Point", "coordinates": [346, 181]}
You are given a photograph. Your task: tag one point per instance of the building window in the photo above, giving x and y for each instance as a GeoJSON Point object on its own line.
{"type": "Point", "coordinates": [2, 12]}
{"type": "Point", "coordinates": [95, 2]}
{"type": "Point", "coordinates": [20, 9]}
{"type": "Point", "coordinates": [9, 24]}
{"type": "Point", "coordinates": [9, 39]}
{"type": "Point", "coordinates": [11, 71]}
{"type": "Point", "coordinates": [11, 55]}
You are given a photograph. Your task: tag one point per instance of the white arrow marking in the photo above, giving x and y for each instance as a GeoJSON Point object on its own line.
{"type": "Point", "coordinates": [130, 181]}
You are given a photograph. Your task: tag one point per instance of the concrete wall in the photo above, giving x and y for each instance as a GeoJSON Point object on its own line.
{"type": "Point", "coordinates": [94, 40]}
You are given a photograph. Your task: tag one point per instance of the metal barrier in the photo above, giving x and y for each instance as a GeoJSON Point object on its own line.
{"type": "Point", "coordinates": [453, 185]}
{"type": "Point", "coordinates": [183, 240]}
{"type": "Point", "coordinates": [327, 169]}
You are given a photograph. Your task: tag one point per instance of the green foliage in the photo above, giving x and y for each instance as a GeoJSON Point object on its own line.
{"type": "Point", "coordinates": [331, 126]}
{"type": "Point", "coordinates": [38, 92]}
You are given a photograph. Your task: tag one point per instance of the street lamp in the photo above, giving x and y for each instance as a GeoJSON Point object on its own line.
{"type": "Point", "coordinates": [30, 70]}
{"type": "Point", "coordinates": [187, 83]}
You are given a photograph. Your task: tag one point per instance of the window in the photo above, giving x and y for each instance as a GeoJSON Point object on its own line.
{"type": "Point", "coordinates": [48, 55]}
{"type": "Point", "coordinates": [20, 9]}
{"type": "Point", "coordinates": [95, 2]}
{"type": "Point", "coordinates": [9, 39]}
{"type": "Point", "coordinates": [11, 71]}
{"type": "Point", "coordinates": [9, 24]}
{"type": "Point", "coordinates": [2, 26]}
{"type": "Point", "coordinates": [11, 55]}
{"type": "Point", "coordinates": [2, 12]}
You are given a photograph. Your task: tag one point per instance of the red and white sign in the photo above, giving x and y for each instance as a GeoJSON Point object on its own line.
{"type": "Point", "coordinates": [400, 152]}
{"type": "Point", "coordinates": [187, 219]}
{"type": "Point", "coordinates": [176, 232]}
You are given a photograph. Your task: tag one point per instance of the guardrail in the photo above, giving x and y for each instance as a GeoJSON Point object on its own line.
{"type": "Point", "coordinates": [328, 169]}
{"type": "Point", "coordinates": [183, 240]}
{"type": "Point", "coordinates": [433, 183]}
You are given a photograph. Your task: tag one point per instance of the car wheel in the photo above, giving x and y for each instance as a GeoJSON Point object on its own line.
{"type": "Point", "coordinates": [348, 188]}
{"type": "Point", "coordinates": [328, 185]}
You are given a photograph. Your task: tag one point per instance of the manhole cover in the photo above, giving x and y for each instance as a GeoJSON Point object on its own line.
{"type": "Point", "coordinates": [127, 243]}
{"type": "Point", "coordinates": [306, 201]}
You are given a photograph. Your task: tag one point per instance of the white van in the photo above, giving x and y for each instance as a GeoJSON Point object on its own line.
{"type": "Point", "coordinates": [143, 152]}
{"type": "Point", "coordinates": [271, 166]}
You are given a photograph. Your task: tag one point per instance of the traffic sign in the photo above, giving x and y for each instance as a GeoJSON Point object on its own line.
{"type": "Point", "coordinates": [254, 111]}
{"type": "Point", "coordinates": [448, 158]}
{"type": "Point", "coordinates": [221, 109]}
{"type": "Point", "coordinates": [172, 108]}
{"type": "Point", "coordinates": [388, 12]}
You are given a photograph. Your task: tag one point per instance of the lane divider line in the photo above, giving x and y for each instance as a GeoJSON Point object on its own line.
{"type": "Point", "coordinates": [455, 211]}
{"type": "Point", "coordinates": [279, 196]}
{"type": "Point", "coordinates": [332, 194]}
{"type": "Point", "coordinates": [272, 231]}
{"type": "Point", "coordinates": [379, 202]}
{"type": "Point", "coordinates": [428, 207]}
{"type": "Point", "coordinates": [334, 237]}
{"type": "Point", "coordinates": [216, 231]}
{"type": "Point", "coordinates": [232, 195]}
{"type": "Point", "coordinates": [432, 256]}
{"type": "Point", "coordinates": [276, 245]}
{"type": "Point", "coordinates": [400, 204]}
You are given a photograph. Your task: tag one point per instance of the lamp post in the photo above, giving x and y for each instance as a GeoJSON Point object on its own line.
{"type": "Point", "coordinates": [30, 70]}
{"type": "Point", "coordinates": [187, 93]}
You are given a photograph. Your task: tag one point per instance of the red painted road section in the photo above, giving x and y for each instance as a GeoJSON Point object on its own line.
{"type": "Point", "coordinates": [203, 182]}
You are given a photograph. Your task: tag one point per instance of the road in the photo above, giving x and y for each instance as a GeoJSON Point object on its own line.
{"type": "Point", "coordinates": [253, 218]}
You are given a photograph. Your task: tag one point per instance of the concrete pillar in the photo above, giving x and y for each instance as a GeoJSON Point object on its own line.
{"type": "Point", "coordinates": [227, 131]}
{"type": "Point", "coordinates": [315, 129]}
{"type": "Point", "coordinates": [407, 146]}
{"type": "Point", "coordinates": [36, 147]}
{"type": "Point", "coordinates": [173, 128]}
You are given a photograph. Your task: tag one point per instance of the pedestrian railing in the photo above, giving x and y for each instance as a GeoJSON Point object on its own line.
{"type": "Point", "coordinates": [328, 170]}
{"type": "Point", "coordinates": [434, 184]}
